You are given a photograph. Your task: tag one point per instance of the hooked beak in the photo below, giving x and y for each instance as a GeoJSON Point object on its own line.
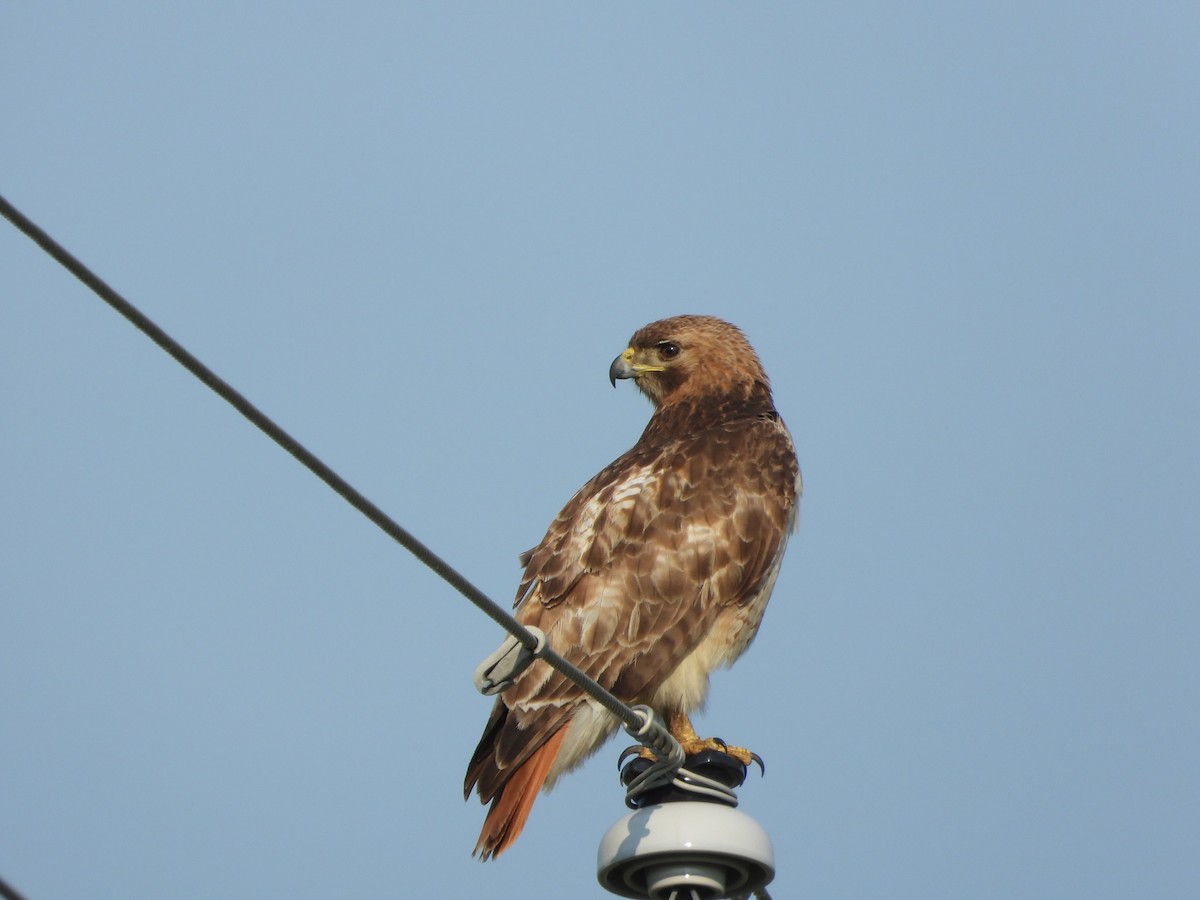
{"type": "Point", "coordinates": [622, 367]}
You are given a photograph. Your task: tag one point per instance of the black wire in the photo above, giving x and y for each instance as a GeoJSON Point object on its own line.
{"type": "Point", "coordinates": [306, 458]}
{"type": "Point", "coordinates": [8, 892]}
{"type": "Point", "coordinates": [260, 419]}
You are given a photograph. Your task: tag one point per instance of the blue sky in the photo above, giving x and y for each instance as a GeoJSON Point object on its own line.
{"type": "Point", "coordinates": [962, 238]}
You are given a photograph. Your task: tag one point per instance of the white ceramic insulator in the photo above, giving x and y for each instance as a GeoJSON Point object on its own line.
{"type": "Point", "coordinates": [704, 850]}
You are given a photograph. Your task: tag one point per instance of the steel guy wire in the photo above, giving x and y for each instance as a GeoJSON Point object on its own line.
{"type": "Point", "coordinates": [640, 722]}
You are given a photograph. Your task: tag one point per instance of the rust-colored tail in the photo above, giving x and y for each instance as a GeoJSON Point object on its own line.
{"type": "Point", "coordinates": [510, 807]}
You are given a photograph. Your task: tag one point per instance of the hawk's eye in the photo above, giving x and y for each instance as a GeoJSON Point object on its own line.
{"type": "Point", "coordinates": [668, 350]}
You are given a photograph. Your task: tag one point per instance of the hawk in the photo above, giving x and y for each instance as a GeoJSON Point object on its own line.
{"type": "Point", "coordinates": [655, 573]}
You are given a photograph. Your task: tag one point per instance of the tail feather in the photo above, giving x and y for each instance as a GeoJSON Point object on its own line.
{"type": "Point", "coordinates": [510, 807]}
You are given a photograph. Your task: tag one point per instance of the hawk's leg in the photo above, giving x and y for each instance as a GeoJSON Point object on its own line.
{"type": "Point", "coordinates": [682, 730]}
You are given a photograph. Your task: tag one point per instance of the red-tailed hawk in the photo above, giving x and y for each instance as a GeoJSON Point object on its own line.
{"type": "Point", "coordinates": [655, 573]}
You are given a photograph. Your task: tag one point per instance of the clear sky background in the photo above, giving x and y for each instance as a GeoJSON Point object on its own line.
{"type": "Point", "coordinates": [964, 240]}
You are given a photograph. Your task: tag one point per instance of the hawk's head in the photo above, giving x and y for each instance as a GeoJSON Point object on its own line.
{"type": "Point", "coordinates": [688, 358]}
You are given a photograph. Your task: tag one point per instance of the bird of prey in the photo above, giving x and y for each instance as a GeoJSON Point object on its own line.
{"type": "Point", "coordinates": [655, 573]}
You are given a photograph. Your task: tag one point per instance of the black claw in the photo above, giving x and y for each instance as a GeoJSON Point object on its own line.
{"type": "Point", "coordinates": [762, 766]}
{"type": "Point", "coordinates": [628, 752]}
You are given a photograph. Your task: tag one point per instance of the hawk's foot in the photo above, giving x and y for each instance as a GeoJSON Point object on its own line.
{"type": "Point", "coordinates": [682, 730]}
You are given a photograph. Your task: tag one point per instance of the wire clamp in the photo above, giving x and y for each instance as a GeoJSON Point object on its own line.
{"type": "Point", "coordinates": [498, 671]}
{"type": "Point", "coordinates": [669, 756]}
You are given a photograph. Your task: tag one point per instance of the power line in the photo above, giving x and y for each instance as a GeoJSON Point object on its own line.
{"type": "Point", "coordinates": [8, 892]}
{"type": "Point", "coordinates": [640, 722]}
{"type": "Point", "coordinates": [260, 419]}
